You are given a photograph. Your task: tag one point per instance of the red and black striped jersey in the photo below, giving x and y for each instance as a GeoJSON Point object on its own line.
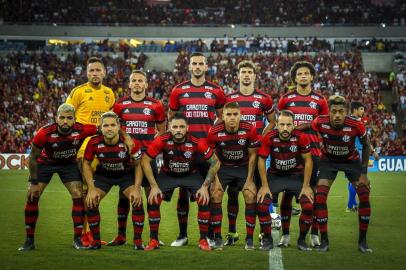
{"type": "Point", "coordinates": [113, 159]}
{"type": "Point", "coordinates": [58, 148]}
{"type": "Point", "coordinates": [179, 158]}
{"type": "Point", "coordinates": [139, 118]}
{"type": "Point", "coordinates": [306, 109]}
{"type": "Point", "coordinates": [253, 107]}
{"type": "Point", "coordinates": [232, 148]}
{"type": "Point", "coordinates": [339, 144]}
{"type": "Point", "coordinates": [198, 104]}
{"type": "Point", "coordinates": [286, 155]}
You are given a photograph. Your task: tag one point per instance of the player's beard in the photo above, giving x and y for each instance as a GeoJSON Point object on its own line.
{"type": "Point", "coordinates": [135, 92]}
{"type": "Point", "coordinates": [65, 129]}
{"type": "Point", "coordinates": [198, 76]}
{"type": "Point", "coordinates": [246, 84]}
{"type": "Point", "coordinates": [179, 139]}
{"type": "Point", "coordinates": [303, 85]}
{"type": "Point", "coordinates": [285, 135]}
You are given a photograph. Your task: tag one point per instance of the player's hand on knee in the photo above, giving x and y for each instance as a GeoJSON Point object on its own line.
{"type": "Point", "coordinates": [202, 196]}
{"type": "Point", "coordinates": [92, 198]}
{"type": "Point", "coordinates": [308, 192]}
{"type": "Point", "coordinates": [33, 192]}
{"type": "Point", "coordinates": [262, 193]}
{"type": "Point", "coordinates": [155, 195]}
{"type": "Point", "coordinates": [136, 197]}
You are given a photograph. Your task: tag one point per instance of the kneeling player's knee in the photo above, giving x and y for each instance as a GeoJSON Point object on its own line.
{"type": "Point", "coordinates": [249, 196]}
{"type": "Point", "coordinates": [217, 195]}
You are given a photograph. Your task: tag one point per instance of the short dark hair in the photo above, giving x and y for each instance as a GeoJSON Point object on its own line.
{"type": "Point", "coordinates": [287, 113]}
{"type": "Point", "coordinates": [336, 100]}
{"type": "Point", "coordinates": [300, 64]}
{"type": "Point", "coordinates": [94, 59]}
{"type": "Point", "coordinates": [355, 105]}
{"type": "Point", "coordinates": [137, 71]}
{"type": "Point", "coordinates": [179, 116]}
{"type": "Point", "coordinates": [247, 64]}
{"type": "Point", "coordinates": [232, 105]}
{"type": "Point", "coordinates": [197, 54]}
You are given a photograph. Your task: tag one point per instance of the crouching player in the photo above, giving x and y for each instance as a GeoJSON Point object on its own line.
{"type": "Point", "coordinates": [116, 167]}
{"type": "Point", "coordinates": [179, 169]}
{"type": "Point", "coordinates": [54, 150]}
{"type": "Point", "coordinates": [290, 171]}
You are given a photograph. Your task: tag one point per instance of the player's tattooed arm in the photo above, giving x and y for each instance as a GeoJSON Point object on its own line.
{"type": "Point", "coordinates": [171, 114]}
{"type": "Point", "coordinates": [252, 161]}
{"type": "Point", "coordinates": [33, 165]}
{"type": "Point", "coordinates": [161, 128]}
{"type": "Point", "coordinates": [271, 123]}
{"type": "Point", "coordinates": [214, 167]}
{"type": "Point", "coordinates": [127, 140]}
{"type": "Point", "coordinates": [304, 126]}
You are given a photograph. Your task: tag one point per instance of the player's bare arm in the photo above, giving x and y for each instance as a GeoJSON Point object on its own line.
{"type": "Point", "coordinates": [171, 114]}
{"type": "Point", "coordinates": [155, 192]}
{"type": "Point", "coordinates": [304, 126]}
{"type": "Point", "coordinates": [271, 123]}
{"type": "Point", "coordinates": [264, 190]}
{"type": "Point", "coordinates": [308, 167]}
{"type": "Point", "coordinates": [366, 146]}
{"type": "Point", "coordinates": [34, 190]}
{"type": "Point", "coordinates": [127, 140]}
{"type": "Point", "coordinates": [135, 194]}
{"type": "Point", "coordinates": [203, 192]}
{"type": "Point", "coordinates": [93, 197]}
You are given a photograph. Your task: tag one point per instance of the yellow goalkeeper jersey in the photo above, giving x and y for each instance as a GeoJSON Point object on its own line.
{"type": "Point", "coordinates": [90, 102]}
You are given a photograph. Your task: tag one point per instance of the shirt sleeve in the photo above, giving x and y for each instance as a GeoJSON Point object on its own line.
{"type": "Point", "coordinates": [361, 130]}
{"type": "Point", "coordinates": [314, 124]}
{"type": "Point", "coordinates": [323, 107]}
{"type": "Point", "coordinates": [89, 151]}
{"type": "Point", "coordinates": [136, 151]}
{"type": "Point", "coordinates": [265, 149]}
{"type": "Point", "coordinates": [204, 149]}
{"type": "Point", "coordinates": [159, 113]}
{"type": "Point", "coordinates": [304, 143]}
{"type": "Point", "coordinates": [40, 138]}
{"type": "Point", "coordinates": [254, 138]}
{"type": "Point", "coordinates": [174, 100]}
{"type": "Point", "coordinates": [89, 130]}
{"type": "Point", "coordinates": [112, 99]}
{"type": "Point", "coordinates": [268, 105]}
{"type": "Point", "coordinates": [117, 109]}
{"type": "Point", "coordinates": [74, 98]}
{"type": "Point", "coordinates": [221, 99]}
{"type": "Point", "coordinates": [155, 148]}
{"type": "Point", "coordinates": [210, 140]}
{"type": "Point", "coordinates": [281, 104]}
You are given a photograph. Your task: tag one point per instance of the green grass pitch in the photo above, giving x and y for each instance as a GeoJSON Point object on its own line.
{"type": "Point", "coordinates": [54, 234]}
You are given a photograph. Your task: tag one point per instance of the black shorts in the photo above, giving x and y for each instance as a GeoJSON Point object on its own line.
{"type": "Point", "coordinates": [233, 176]}
{"type": "Point", "coordinates": [167, 183]}
{"type": "Point", "coordinates": [329, 169]}
{"type": "Point", "coordinates": [105, 183]}
{"type": "Point", "coordinates": [288, 183]}
{"type": "Point", "coordinates": [315, 172]}
{"type": "Point", "coordinates": [67, 173]}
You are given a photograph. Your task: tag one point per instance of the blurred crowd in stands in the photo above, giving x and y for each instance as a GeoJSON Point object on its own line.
{"type": "Point", "coordinates": [211, 12]}
{"type": "Point", "coordinates": [32, 85]}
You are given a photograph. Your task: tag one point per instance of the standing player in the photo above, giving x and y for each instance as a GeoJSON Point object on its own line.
{"type": "Point", "coordinates": [116, 167]}
{"type": "Point", "coordinates": [90, 100]}
{"type": "Point", "coordinates": [236, 144]}
{"type": "Point", "coordinates": [254, 106]}
{"type": "Point", "coordinates": [290, 171]}
{"type": "Point", "coordinates": [54, 150]}
{"type": "Point", "coordinates": [338, 132]}
{"type": "Point", "coordinates": [200, 101]}
{"type": "Point", "coordinates": [357, 110]}
{"type": "Point", "coordinates": [142, 118]}
{"type": "Point", "coordinates": [306, 106]}
{"type": "Point", "coordinates": [180, 150]}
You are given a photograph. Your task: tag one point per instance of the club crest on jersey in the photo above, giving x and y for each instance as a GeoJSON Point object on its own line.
{"type": "Point", "coordinates": [257, 96]}
{"type": "Point", "coordinates": [122, 154]}
{"type": "Point", "coordinates": [347, 129]}
{"type": "Point", "coordinates": [325, 126]}
{"type": "Point", "coordinates": [234, 96]}
{"type": "Point", "coordinates": [188, 154]}
{"type": "Point", "coordinates": [221, 134]}
{"type": "Point", "coordinates": [147, 102]}
{"type": "Point", "coordinates": [208, 95]}
{"type": "Point", "coordinates": [256, 104]}
{"type": "Point", "coordinates": [346, 138]}
{"type": "Point", "coordinates": [242, 132]}
{"type": "Point", "coordinates": [147, 111]}
{"type": "Point", "coordinates": [126, 102]}
{"type": "Point", "coordinates": [313, 105]}
{"type": "Point", "coordinates": [293, 148]}
{"type": "Point", "coordinates": [241, 141]}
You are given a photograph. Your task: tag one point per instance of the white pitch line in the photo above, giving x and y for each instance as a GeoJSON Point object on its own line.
{"type": "Point", "coordinates": [275, 254]}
